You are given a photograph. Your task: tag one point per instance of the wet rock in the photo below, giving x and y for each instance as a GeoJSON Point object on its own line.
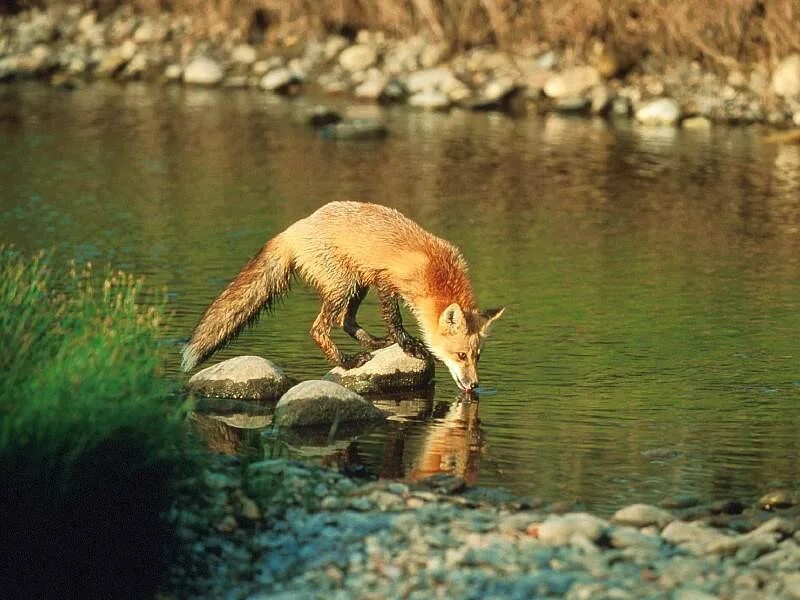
{"type": "Point", "coordinates": [173, 72]}
{"type": "Point", "coordinates": [572, 105]}
{"type": "Point", "coordinates": [620, 106]}
{"type": "Point", "coordinates": [317, 116]}
{"type": "Point", "coordinates": [777, 499]}
{"type": "Point", "coordinates": [279, 80]}
{"type": "Point", "coordinates": [786, 77]}
{"type": "Point", "coordinates": [394, 91]}
{"type": "Point", "coordinates": [642, 515]}
{"type": "Point", "coordinates": [112, 63]}
{"type": "Point", "coordinates": [695, 536]}
{"type": "Point", "coordinates": [322, 403]}
{"type": "Point", "coordinates": [559, 530]}
{"type": "Point", "coordinates": [430, 100]}
{"type": "Point", "coordinates": [358, 57]}
{"type": "Point", "coordinates": [389, 370]}
{"type": "Point", "coordinates": [573, 82]}
{"type": "Point", "coordinates": [662, 111]}
{"type": "Point", "coordinates": [355, 129]}
{"type": "Point", "coordinates": [39, 60]}
{"type": "Point", "coordinates": [203, 71]}
{"type": "Point", "coordinates": [250, 377]}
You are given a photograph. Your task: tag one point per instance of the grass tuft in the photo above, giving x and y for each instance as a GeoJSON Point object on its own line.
{"type": "Point", "coordinates": [90, 442]}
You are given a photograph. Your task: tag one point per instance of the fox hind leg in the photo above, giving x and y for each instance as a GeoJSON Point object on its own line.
{"type": "Point", "coordinates": [321, 334]}
{"type": "Point", "coordinates": [354, 330]}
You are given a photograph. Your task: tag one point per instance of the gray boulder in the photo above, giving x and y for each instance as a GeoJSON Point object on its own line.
{"type": "Point", "coordinates": [320, 402]}
{"type": "Point", "coordinates": [247, 377]}
{"type": "Point", "coordinates": [389, 370]}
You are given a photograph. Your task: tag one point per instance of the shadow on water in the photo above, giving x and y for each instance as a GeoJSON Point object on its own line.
{"type": "Point", "coordinates": [651, 276]}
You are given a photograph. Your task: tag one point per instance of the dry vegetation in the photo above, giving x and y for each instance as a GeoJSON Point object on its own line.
{"type": "Point", "coordinates": [722, 32]}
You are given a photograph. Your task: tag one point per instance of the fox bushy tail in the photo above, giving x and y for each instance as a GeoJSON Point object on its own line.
{"type": "Point", "coordinates": [262, 280]}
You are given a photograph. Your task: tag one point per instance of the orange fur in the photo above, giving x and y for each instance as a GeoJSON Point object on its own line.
{"type": "Point", "coordinates": [341, 250]}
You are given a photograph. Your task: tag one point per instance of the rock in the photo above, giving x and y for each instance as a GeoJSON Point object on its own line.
{"type": "Point", "coordinates": [572, 82]}
{"type": "Point", "coordinates": [334, 45]}
{"type": "Point", "coordinates": [695, 536]}
{"type": "Point", "coordinates": [358, 57]}
{"type": "Point", "coordinates": [394, 91]}
{"type": "Point", "coordinates": [698, 122]}
{"type": "Point", "coordinates": [319, 402]}
{"type": "Point", "coordinates": [642, 515]}
{"type": "Point", "coordinates": [203, 71]}
{"type": "Point", "coordinates": [173, 72]}
{"type": "Point", "coordinates": [317, 116]}
{"type": "Point", "coordinates": [371, 88]}
{"type": "Point", "coordinates": [559, 530]}
{"type": "Point", "coordinates": [355, 129]}
{"type": "Point", "coordinates": [620, 106]}
{"type": "Point", "coordinates": [786, 77]}
{"type": "Point", "coordinates": [250, 377]}
{"type": "Point", "coordinates": [440, 79]}
{"type": "Point", "coordinates": [777, 499]}
{"type": "Point", "coordinates": [430, 100]}
{"type": "Point", "coordinates": [572, 104]}
{"type": "Point", "coordinates": [279, 80]}
{"type": "Point", "coordinates": [38, 60]}
{"type": "Point", "coordinates": [112, 63]}
{"type": "Point", "coordinates": [244, 54]}
{"type": "Point", "coordinates": [661, 111]}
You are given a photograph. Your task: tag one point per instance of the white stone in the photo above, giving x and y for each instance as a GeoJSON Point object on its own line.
{"type": "Point", "coordinates": [371, 88]}
{"type": "Point", "coordinates": [239, 370]}
{"type": "Point", "coordinates": [203, 71]}
{"type": "Point", "coordinates": [358, 57]}
{"type": "Point", "coordinates": [439, 79]}
{"type": "Point", "coordinates": [661, 111]}
{"type": "Point", "coordinates": [642, 515]}
{"type": "Point", "coordinates": [277, 79]}
{"type": "Point", "coordinates": [559, 530]}
{"type": "Point", "coordinates": [572, 82]}
{"type": "Point", "coordinates": [786, 77]}
{"type": "Point", "coordinates": [244, 54]}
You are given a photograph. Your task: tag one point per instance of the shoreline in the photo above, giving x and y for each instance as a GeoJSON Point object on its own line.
{"type": "Point", "coordinates": [70, 47]}
{"type": "Point", "coordinates": [280, 529]}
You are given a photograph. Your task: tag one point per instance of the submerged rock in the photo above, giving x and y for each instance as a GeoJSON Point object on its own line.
{"type": "Point", "coordinates": [249, 377]}
{"type": "Point", "coordinates": [389, 370]}
{"type": "Point", "coordinates": [320, 402]}
{"type": "Point", "coordinates": [355, 129]}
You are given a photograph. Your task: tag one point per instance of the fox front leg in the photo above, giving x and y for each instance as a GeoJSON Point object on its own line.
{"type": "Point", "coordinates": [390, 311]}
{"type": "Point", "coordinates": [354, 330]}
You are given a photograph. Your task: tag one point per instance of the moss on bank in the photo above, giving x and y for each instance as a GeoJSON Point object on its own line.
{"type": "Point", "coordinates": [89, 441]}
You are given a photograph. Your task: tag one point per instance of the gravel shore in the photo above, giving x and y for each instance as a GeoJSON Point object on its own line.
{"type": "Point", "coordinates": [278, 529]}
{"type": "Point", "coordinates": [69, 46]}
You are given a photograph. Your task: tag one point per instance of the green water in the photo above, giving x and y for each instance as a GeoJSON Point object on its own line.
{"type": "Point", "coordinates": [652, 277]}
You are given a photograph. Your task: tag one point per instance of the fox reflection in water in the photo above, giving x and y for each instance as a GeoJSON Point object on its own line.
{"type": "Point", "coordinates": [451, 441]}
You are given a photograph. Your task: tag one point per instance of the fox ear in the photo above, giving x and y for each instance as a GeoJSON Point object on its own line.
{"type": "Point", "coordinates": [488, 316]}
{"type": "Point", "coordinates": [452, 321]}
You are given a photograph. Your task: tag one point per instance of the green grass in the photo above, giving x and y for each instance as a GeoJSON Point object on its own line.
{"type": "Point", "coordinates": [90, 440]}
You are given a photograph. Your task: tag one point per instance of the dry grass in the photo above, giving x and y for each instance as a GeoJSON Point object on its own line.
{"type": "Point", "coordinates": [724, 32]}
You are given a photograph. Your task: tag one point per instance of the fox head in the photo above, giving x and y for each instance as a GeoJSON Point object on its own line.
{"type": "Point", "coordinates": [458, 340]}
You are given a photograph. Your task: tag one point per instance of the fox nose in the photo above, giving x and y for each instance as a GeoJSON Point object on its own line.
{"type": "Point", "coordinates": [473, 385]}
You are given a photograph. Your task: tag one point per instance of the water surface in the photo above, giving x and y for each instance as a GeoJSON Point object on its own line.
{"type": "Point", "coordinates": [652, 277]}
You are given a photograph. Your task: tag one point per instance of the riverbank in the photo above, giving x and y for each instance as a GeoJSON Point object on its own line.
{"type": "Point", "coordinates": [71, 46]}
{"type": "Point", "coordinates": [278, 529]}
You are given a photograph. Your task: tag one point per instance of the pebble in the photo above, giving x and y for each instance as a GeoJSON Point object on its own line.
{"type": "Point", "coordinates": [642, 515]}
{"type": "Point", "coordinates": [662, 111]}
{"type": "Point", "coordinates": [203, 71]}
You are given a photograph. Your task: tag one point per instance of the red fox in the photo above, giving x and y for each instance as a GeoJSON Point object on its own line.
{"type": "Point", "coordinates": [342, 250]}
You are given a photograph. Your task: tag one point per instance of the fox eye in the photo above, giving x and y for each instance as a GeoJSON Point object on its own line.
{"type": "Point", "coordinates": [462, 356]}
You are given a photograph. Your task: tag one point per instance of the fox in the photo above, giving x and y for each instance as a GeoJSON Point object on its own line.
{"type": "Point", "coordinates": [342, 250]}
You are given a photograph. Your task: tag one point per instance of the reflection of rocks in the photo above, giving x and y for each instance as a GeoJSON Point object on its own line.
{"type": "Point", "coordinates": [355, 129]}
{"type": "Point", "coordinates": [250, 377]}
{"type": "Point", "coordinates": [389, 370]}
{"type": "Point", "coordinates": [322, 403]}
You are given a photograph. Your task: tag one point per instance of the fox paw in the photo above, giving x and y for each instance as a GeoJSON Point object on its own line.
{"type": "Point", "coordinates": [356, 360]}
{"type": "Point", "coordinates": [413, 347]}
